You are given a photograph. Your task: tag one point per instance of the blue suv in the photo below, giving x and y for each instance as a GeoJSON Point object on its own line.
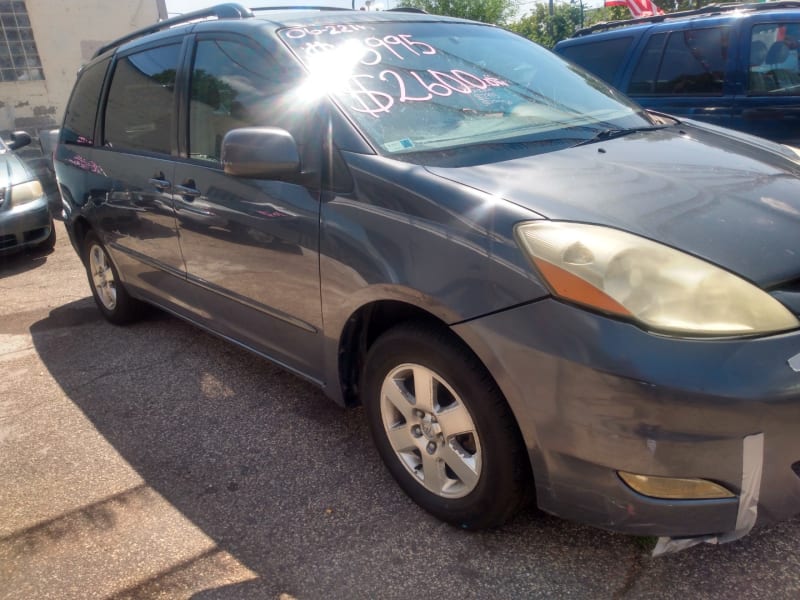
{"type": "Point", "coordinates": [732, 65]}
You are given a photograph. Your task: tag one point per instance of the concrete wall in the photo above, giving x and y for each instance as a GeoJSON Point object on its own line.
{"type": "Point", "coordinates": [67, 32]}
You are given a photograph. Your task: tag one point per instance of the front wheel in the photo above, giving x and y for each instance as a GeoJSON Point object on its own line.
{"type": "Point", "coordinates": [443, 428]}
{"type": "Point", "coordinates": [110, 295]}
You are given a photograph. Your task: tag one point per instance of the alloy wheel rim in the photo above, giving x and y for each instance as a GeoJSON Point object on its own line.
{"type": "Point", "coordinates": [103, 277]}
{"type": "Point", "coordinates": [431, 431]}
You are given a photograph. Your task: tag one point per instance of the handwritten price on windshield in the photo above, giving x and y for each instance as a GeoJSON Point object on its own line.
{"type": "Point", "coordinates": [374, 102]}
{"type": "Point", "coordinates": [396, 45]}
{"type": "Point", "coordinates": [297, 33]}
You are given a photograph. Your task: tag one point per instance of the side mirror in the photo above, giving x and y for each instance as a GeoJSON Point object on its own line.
{"type": "Point", "coordinates": [260, 152]}
{"type": "Point", "coordinates": [19, 139]}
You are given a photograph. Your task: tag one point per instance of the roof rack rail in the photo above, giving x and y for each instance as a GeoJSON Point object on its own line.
{"type": "Point", "coordinates": [309, 7]}
{"type": "Point", "coordinates": [408, 9]}
{"type": "Point", "coordinates": [230, 10]}
{"type": "Point", "coordinates": [709, 9]}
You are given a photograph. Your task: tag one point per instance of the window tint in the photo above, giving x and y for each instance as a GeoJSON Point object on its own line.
{"type": "Point", "coordinates": [694, 62]}
{"type": "Point", "coordinates": [139, 113]}
{"type": "Point", "coordinates": [233, 85]}
{"type": "Point", "coordinates": [82, 109]}
{"type": "Point", "coordinates": [774, 60]}
{"type": "Point", "coordinates": [601, 58]}
{"type": "Point", "coordinates": [643, 80]}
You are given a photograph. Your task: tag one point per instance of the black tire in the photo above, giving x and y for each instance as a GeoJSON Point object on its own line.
{"type": "Point", "coordinates": [110, 295]}
{"type": "Point", "coordinates": [497, 486]}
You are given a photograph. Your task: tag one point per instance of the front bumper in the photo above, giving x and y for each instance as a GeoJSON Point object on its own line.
{"type": "Point", "coordinates": [24, 226]}
{"type": "Point", "coordinates": [594, 395]}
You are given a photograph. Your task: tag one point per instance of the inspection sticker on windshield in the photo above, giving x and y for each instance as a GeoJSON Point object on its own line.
{"type": "Point", "coordinates": [397, 146]}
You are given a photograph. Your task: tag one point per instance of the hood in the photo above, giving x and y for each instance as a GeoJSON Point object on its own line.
{"type": "Point", "coordinates": [729, 199]}
{"type": "Point", "coordinates": [13, 170]}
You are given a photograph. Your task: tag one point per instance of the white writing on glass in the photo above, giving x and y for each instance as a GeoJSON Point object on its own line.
{"type": "Point", "coordinates": [444, 83]}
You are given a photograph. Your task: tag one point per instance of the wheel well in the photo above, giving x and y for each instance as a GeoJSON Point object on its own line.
{"type": "Point", "coordinates": [362, 329]}
{"type": "Point", "coordinates": [367, 324]}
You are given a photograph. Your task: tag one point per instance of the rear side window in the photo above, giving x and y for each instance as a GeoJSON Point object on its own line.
{"type": "Point", "coordinates": [774, 68]}
{"type": "Point", "coordinates": [692, 63]}
{"type": "Point", "coordinates": [82, 108]}
{"type": "Point", "coordinates": [140, 109]}
{"type": "Point", "coordinates": [602, 58]}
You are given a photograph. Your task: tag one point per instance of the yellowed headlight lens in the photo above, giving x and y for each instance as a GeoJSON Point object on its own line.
{"type": "Point", "coordinates": [22, 193]}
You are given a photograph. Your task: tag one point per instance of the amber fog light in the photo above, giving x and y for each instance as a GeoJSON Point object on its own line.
{"type": "Point", "coordinates": [674, 488]}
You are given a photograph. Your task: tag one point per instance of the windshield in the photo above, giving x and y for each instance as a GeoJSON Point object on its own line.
{"type": "Point", "coordinates": [417, 87]}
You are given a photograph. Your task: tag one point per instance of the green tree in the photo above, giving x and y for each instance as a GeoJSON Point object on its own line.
{"type": "Point", "coordinates": [497, 12]}
{"type": "Point", "coordinates": [546, 29]}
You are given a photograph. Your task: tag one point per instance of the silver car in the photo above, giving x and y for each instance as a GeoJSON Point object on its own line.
{"type": "Point", "coordinates": [25, 219]}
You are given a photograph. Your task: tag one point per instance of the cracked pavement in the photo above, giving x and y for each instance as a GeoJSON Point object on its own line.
{"type": "Point", "coordinates": [156, 461]}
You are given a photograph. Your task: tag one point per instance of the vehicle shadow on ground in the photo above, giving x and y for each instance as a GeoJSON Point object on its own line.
{"type": "Point", "coordinates": [289, 484]}
{"type": "Point", "coordinates": [22, 261]}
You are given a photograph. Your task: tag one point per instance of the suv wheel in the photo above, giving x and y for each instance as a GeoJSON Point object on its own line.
{"type": "Point", "coordinates": [443, 428]}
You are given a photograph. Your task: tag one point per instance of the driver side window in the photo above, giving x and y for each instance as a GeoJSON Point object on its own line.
{"type": "Point", "coordinates": [233, 85]}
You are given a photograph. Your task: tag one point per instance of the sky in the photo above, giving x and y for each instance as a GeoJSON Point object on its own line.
{"type": "Point", "coordinates": [182, 6]}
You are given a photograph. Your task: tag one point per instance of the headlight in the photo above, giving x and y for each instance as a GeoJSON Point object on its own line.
{"type": "Point", "coordinates": [660, 287]}
{"type": "Point", "coordinates": [22, 193]}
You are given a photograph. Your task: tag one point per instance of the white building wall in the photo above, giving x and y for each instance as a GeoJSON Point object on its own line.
{"type": "Point", "coordinates": [67, 33]}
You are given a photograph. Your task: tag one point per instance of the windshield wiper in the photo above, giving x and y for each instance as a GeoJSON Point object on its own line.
{"type": "Point", "coordinates": [609, 134]}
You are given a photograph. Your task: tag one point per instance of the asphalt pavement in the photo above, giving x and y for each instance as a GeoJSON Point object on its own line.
{"type": "Point", "coordinates": [157, 461]}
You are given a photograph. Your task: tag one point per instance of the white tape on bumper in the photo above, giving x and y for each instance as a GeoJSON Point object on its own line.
{"type": "Point", "coordinates": [752, 469]}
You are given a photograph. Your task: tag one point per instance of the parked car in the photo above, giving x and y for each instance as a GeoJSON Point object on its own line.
{"type": "Point", "coordinates": [519, 273]}
{"type": "Point", "coordinates": [731, 65]}
{"type": "Point", "coordinates": [25, 219]}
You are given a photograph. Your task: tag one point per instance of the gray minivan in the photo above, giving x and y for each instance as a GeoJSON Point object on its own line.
{"type": "Point", "coordinates": [535, 287]}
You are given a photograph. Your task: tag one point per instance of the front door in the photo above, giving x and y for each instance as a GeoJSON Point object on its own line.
{"type": "Point", "coordinates": [687, 73]}
{"type": "Point", "coordinates": [250, 246]}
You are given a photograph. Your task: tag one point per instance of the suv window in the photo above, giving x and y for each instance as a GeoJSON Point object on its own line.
{"type": "Point", "coordinates": [139, 112]}
{"type": "Point", "coordinates": [82, 108]}
{"type": "Point", "coordinates": [774, 60]}
{"type": "Point", "coordinates": [601, 58]}
{"type": "Point", "coordinates": [693, 62]}
{"type": "Point", "coordinates": [644, 76]}
{"type": "Point", "coordinates": [233, 85]}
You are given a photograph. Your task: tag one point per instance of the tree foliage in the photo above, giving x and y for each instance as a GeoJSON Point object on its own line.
{"type": "Point", "coordinates": [498, 12]}
{"type": "Point", "coordinates": [538, 24]}
{"type": "Point", "coordinates": [545, 29]}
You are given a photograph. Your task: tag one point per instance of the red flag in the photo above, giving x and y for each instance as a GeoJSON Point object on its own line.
{"type": "Point", "coordinates": [638, 8]}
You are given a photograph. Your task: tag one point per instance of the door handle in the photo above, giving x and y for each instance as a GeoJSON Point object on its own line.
{"type": "Point", "coordinates": [187, 192]}
{"type": "Point", "coordinates": [160, 184]}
